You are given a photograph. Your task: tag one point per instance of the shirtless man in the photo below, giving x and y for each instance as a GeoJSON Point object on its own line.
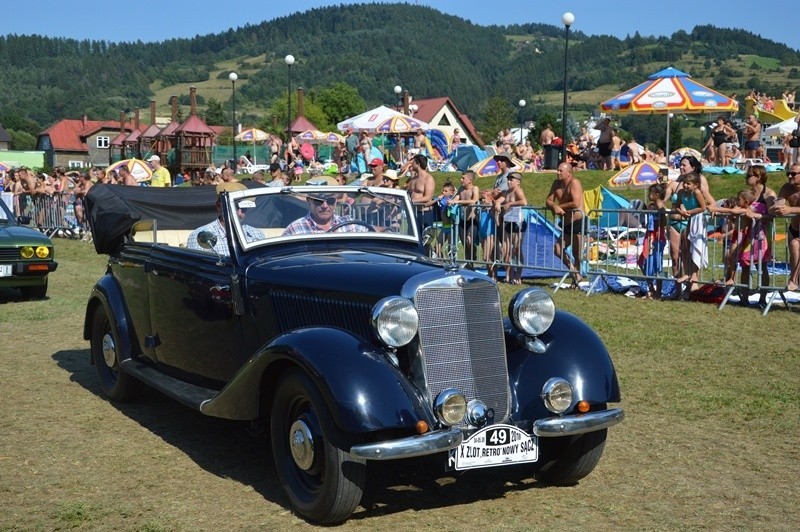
{"type": "Point", "coordinates": [513, 226]}
{"type": "Point", "coordinates": [787, 204]}
{"type": "Point", "coordinates": [547, 136]}
{"type": "Point", "coordinates": [752, 136]}
{"type": "Point", "coordinates": [82, 185]}
{"type": "Point", "coordinates": [565, 199]}
{"type": "Point", "coordinates": [468, 195]}
{"type": "Point", "coordinates": [421, 188]}
{"type": "Point", "coordinates": [616, 149]}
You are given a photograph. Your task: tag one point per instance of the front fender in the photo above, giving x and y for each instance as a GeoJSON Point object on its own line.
{"type": "Point", "coordinates": [574, 352]}
{"type": "Point", "coordinates": [107, 292]}
{"type": "Point", "coordinates": [363, 390]}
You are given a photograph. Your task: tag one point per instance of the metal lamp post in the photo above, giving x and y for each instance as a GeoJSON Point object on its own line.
{"type": "Point", "coordinates": [233, 77]}
{"type": "Point", "coordinates": [289, 59]}
{"type": "Point", "coordinates": [567, 18]}
{"type": "Point", "coordinates": [521, 120]}
{"type": "Point", "coordinates": [398, 92]}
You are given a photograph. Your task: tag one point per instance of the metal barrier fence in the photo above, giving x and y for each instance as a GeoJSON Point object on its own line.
{"type": "Point", "coordinates": [54, 215]}
{"type": "Point", "coordinates": [640, 245]}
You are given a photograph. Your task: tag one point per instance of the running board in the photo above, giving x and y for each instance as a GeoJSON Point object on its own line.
{"type": "Point", "coordinates": [188, 394]}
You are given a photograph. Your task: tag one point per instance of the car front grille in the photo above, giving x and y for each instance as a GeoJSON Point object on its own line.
{"type": "Point", "coordinates": [462, 342]}
{"type": "Point", "coordinates": [9, 254]}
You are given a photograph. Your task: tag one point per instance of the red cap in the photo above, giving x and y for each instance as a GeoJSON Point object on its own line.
{"type": "Point", "coordinates": [376, 162]}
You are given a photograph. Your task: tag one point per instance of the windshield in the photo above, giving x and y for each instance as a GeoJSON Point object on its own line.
{"type": "Point", "coordinates": [270, 214]}
{"type": "Point", "coordinates": [5, 213]}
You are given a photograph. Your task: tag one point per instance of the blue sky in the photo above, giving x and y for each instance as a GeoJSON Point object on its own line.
{"type": "Point", "coordinates": [156, 21]}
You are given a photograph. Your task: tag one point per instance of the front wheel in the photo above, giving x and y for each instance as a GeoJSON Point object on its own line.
{"type": "Point", "coordinates": [573, 457]}
{"type": "Point", "coordinates": [115, 383]}
{"type": "Point", "coordinates": [35, 292]}
{"type": "Point", "coordinates": [323, 482]}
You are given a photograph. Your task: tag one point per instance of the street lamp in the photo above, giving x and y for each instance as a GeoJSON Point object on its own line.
{"type": "Point", "coordinates": [289, 59]}
{"type": "Point", "coordinates": [521, 120]}
{"type": "Point", "coordinates": [233, 77]}
{"type": "Point", "coordinates": [567, 18]}
{"type": "Point", "coordinates": [398, 91]}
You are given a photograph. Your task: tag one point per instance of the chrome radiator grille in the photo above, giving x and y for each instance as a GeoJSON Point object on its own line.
{"type": "Point", "coordinates": [462, 343]}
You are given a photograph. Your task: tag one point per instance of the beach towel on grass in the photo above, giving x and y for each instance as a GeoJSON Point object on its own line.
{"type": "Point", "coordinates": [698, 240]}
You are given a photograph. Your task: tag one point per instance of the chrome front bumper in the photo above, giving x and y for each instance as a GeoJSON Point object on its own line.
{"type": "Point", "coordinates": [553, 427]}
{"type": "Point", "coordinates": [430, 443]}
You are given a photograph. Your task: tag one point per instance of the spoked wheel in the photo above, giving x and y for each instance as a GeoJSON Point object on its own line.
{"type": "Point", "coordinates": [116, 384]}
{"type": "Point", "coordinates": [322, 481]}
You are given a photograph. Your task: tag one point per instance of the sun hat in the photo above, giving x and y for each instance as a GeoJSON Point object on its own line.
{"type": "Point", "coordinates": [153, 158]}
{"type": "Point", "coordinates": [503, 155]}
{"type": "Point", "coordinates": [391, 174]}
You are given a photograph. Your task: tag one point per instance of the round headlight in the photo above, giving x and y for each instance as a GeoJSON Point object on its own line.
{"type": "Point", "coordinates": [450, 406]}
{"type": "Point", "coordinates": [532, 311]}
{"type": "Point", "coordinates": [26, 252]}
{"type": "Point", "coordinates": [42, 252]}
{"type": "Point", "coordinates": [395, 321]}
{"type": "Point", "coordinates": [557, 395]}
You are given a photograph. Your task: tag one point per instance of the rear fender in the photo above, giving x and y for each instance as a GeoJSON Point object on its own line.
{"type": "Point", "coordinates": [363, 390]}
{"type": "Point", "coordinates": [107, 292]}
{"type": "Point", "coordinates": [574, 352]}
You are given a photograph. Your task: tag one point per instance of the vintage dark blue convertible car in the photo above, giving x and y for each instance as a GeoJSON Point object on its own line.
{"type": "Point", "coordinates": [350, 345]}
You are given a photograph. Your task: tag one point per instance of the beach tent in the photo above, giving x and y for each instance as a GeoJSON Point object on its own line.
{"type": "Point", "coordinates": [603, 199]}
{"type": "Point", "coordinates": [537, 243]}
{"type": "Point", "coordinates": [466, 156]}
{"type": "Point", "coordinates": [781, 128]}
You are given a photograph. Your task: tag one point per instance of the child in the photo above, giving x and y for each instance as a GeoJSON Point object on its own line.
{"type": "Point", "coordinates": [693, 246]}
{"type": "Point", "coordinates": [737, 206]}
{"type": "Point", "coordinates": [448, 218]}
{"type": "Point", "coordinates": [655, 239]}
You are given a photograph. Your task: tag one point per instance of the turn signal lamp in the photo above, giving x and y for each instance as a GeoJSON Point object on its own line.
{"type": "Point", "coordinates": [583, 407]}
{"type": "Point", "coordinates": [421, 427]}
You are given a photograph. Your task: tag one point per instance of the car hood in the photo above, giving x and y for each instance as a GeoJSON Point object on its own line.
{"type": "Point", "coordinates": [366, 272]}
{"type": "Point", "coordinates": [15, 235]}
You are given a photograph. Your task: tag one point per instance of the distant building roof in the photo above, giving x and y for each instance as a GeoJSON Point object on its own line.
{"type": "Point", "coordinates": [71, 134]}
{"type": "Point", "coordinates": [194, 125]}
{"type": "Point", "coordinates": [301, 123]}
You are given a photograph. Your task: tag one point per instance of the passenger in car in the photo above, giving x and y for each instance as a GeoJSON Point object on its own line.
{"type": "Point", "coordinates": [217, 227]}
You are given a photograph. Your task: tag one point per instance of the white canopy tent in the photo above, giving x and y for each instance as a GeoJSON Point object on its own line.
{"type": "Point", "coordinates": [781, 128]}
{"type": "Point", "coordinates": [369, 120]}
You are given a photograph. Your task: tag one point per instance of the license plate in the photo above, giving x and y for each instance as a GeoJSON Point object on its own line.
{"type": "Point", "coordinates": [5, 270]}
{"type": "Point", "coordinates": [495, 445]}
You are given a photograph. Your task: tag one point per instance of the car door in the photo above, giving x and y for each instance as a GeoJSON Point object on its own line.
{"type": "Point", "coordinates": [197, 332]}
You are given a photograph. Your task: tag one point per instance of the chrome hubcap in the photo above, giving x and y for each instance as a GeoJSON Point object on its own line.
{"type": "Point", "coordinates": [109, 350]}
{"type": "Point", "coordinates": [302, 445]}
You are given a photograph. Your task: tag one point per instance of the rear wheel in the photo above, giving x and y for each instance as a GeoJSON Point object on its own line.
{"type": "Point", "coordinates": [573, 457]}
{"type": "Point", "coordinates": [115, 383]}
{"type": "Point", "coordinates": [35, 292]}
{"type": "Point", "coordinates": [322, 481]}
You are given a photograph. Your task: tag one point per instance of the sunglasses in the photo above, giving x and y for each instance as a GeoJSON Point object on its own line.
{"type": "Point", "coordinates": [791, 174]}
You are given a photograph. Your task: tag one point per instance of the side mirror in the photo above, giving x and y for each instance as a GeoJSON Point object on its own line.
{"type": "Point", "coordinates": [23, 220]}
{"type": "Point", "coordinates": [207, 240]}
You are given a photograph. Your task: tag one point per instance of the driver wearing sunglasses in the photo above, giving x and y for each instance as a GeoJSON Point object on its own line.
{"type": "Point", "coordinates": [321, 218]}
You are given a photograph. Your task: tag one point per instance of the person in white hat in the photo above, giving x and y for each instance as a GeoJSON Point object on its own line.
{"type": "Point", "coordinates": [161, 177]}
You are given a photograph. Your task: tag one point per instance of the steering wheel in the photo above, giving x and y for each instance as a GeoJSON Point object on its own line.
{"type": "Point", "coordinates": [334, 227]}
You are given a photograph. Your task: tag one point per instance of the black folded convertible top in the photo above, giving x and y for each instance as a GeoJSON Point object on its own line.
{"type": "Point", "coordinates": [113, 209]}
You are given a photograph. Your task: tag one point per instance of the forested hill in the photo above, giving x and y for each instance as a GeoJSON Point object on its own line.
{"type": "Point", "coordinates": [431, 53]}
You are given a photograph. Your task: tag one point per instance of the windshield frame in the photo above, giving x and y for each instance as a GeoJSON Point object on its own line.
{"type": "Point", "coordinates": [396, 195]}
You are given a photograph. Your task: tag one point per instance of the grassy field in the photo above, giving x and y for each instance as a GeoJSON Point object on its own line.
{"type": "Point", "coordinates": [710, 440]}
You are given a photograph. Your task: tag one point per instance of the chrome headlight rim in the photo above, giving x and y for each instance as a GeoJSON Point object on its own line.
{"type": "Point", "coordinates": [395, 321]}
{"type": "Point", "coordinates": [450, 407]}
{"type": "Point", "coordinates": [532, 311]}
{"type": "Point", "coordinates": [557, 395]}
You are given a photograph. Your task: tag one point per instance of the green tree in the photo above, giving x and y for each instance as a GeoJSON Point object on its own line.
{"type": "Point", "coordinates": [214, 114]}
{"type": "Point", "coordinates": [497, 115]}
{"type": "Point", "coordinates": [340, 101]}
{"type": "Point", "coordinates": [22, 140]}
